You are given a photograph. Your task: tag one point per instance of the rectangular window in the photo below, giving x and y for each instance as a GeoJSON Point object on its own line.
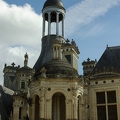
{"type": "Point", "coordinates": [112, 112]}
{"type": "Point", "coordinates": [101, 112]}
{"type": "Point", "coordinates": [106, 105]}
{"type": "Point", "coordinates": [68, 57]}
{"type": "Point", "coordinates": [22, 85]}
{"type": "Point", "coordinates": [100, 97]}
{"type": "Point", "coordinates": [111, 97]}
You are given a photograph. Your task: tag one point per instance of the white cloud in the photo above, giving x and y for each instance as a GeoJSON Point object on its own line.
{"type": "Point", "coordinates": [20, 32]}
{"type": "Point", "coordinates": [18, 53]}
{"type": "Point", "coordinates": [95, 30]}
{"type": "Point", "coordinates": [85, 12]}
{"type": "Point", "coordinates": [19, 25]}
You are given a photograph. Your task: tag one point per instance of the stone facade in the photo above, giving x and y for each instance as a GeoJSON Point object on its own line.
{"type": "Point", "coordinates": [53, 89]}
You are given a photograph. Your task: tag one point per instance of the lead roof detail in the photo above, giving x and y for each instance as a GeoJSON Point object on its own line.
{"type": "Point", "coordinates": [57, 3]}
{"type": "Point", "coordinates": [58, 68]}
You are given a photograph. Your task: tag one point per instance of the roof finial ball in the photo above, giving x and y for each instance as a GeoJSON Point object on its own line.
{"type": "Point", "coordinates": [26, 60]}
{"type": "Point", "coordinates": [53, 11]}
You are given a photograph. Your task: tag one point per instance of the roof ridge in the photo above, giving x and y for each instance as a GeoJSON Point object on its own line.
{"type": "Point", "coordinates": [113, 47]}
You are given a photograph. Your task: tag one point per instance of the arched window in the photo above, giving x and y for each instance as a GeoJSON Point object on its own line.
{"type": "Point", "coordinates": [58, 107]}
{"type": "Point", "coordinates": [80, 108]}
{"type": "Point", "coordinates": [37, 108]}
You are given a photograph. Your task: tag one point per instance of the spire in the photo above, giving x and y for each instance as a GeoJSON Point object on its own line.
{"type": "Point", "coordinates": [107, 46]}
{"type": "Point", "coordinates": [26, 60]}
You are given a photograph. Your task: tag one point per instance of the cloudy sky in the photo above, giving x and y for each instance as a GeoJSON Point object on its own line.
{"type": "Point", "coordinates": [91, 23]}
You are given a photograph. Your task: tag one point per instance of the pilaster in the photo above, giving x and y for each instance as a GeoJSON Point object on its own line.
{"type": "Point", "coordinates": [16, 112]}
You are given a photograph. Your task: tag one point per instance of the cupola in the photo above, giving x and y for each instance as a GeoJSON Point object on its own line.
{"type": "Point", "coordinates": [53, 12]}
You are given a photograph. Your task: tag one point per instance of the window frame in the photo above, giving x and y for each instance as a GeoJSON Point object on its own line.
{"type": "Point", "coordinates": [106, 104]}
{"type": "Point", "coordinates": [22, 85]}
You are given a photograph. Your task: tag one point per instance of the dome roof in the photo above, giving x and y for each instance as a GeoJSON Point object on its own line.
{"type": "Point", "coordinates": [58, 68]}
{"type": "Point", "coordinates": [57, 3]}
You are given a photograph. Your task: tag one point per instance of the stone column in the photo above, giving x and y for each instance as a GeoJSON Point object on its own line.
{"type": "Point", "coordinates": [32, 111]}
{"type": "Point", "coordinates": [16, 112]}
{"type": "Point", "coordinates": [43, 34]}
{"type": "Point", "coordinates": [75, 111]}
{"type": "Point", "coordinates": [49, 109]}
{"type": "Point", "coordinates": [57, 24]}
{"type": "Point", "coordinates": [75, 103]}
{"type": "Point", "coordinates": [53, 51]}
{"type": "Point", "coordinates": [69, 109]}
{"type": "Point", "coordinates": [63, 26]}
{"type": "Point", "coordinates": [42, 102]}
{"type": "Point", "coordinates": [86, 106]}
{"type": "Point", "coordinates": [81, 108]}
{"type": "Point", "coordinates": [23, 113]}
{"type": "Point", "coordinates": [59, 49]}
{"type": "Point", "coordinates": [42, 108]}
{"type": "Point", "coordinates": [49, 23]}
{"type": "Point", "coordinates": [57, 52]}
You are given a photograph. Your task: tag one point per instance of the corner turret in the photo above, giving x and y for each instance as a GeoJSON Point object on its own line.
{"type": "Point", "coordinates": [88, 66]}
{"type": "Point", "coordinates": [24, 75]}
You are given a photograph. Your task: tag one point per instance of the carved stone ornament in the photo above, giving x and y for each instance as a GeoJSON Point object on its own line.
{"type": "Point", "coordinates": [43, 72]}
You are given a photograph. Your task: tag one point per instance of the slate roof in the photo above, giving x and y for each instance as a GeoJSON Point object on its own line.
{"type": "Point", "coordinates": [46, 54]}
{"type": "Point", "coordinates": [57, 3]}
{"type": "Point", "coordinates": [6, 101]}
{"type": "Point", "coordinates": [57, 67]}
{"type": "Point", "coordinates": [109, 61]}
{"type": "Point", "coordinates": [7, 90]}
{"type": "Point", "coordinates": [25, 69]}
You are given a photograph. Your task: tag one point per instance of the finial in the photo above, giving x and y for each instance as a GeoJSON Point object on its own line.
{"type": "Point", "coordinates": [67, 41]}
{"type": "Point", "coordinates": [26, 55]}
{"type": "Point", "coordinates": [88, 59]}
{"type": "Point", "coordinates": [13, 64]}
{"type": "Point", "coordinates": [26, 60]}
{"type": "Point", "coordinates": [73, 42]}
{"type": "Point", "coordinates": [5, 65]}
{"type": "Point", "coordinates": [106, 46]}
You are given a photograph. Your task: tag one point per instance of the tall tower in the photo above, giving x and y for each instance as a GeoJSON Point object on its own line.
{"type": "Point", "coordinates": [88, 66]}
{"type": "Point", "coordinates": [24, 75]}
{"type": "Point", "coordinates": [20, 104]}
{"type": "Point", "coordinates": [56, 90]}
{"type": "Point", "coordinates": [53, 13]}
{"type": "Point", "coordinates": [9, 76]}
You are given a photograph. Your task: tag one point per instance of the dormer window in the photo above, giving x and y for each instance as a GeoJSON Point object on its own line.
{"type": "Point", "coordinates": [22, 75]}
{"type": "Point", "coordinates": [68, 57]}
